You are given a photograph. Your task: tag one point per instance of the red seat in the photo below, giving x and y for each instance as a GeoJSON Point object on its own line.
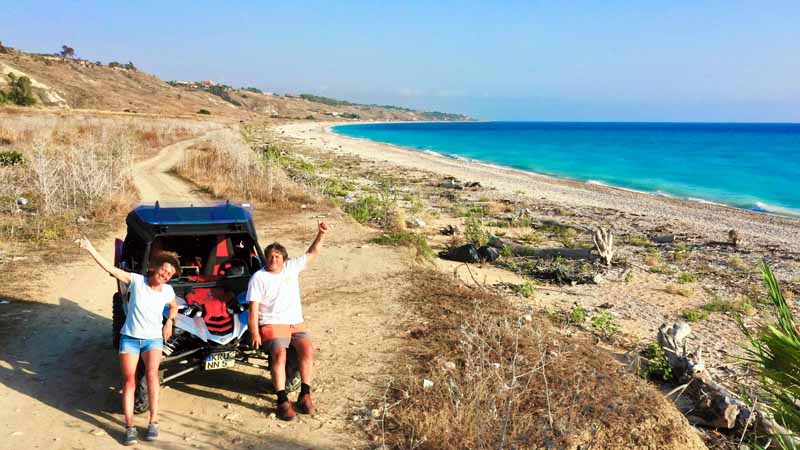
{"type": "Point", "coordinates": [214, 302]}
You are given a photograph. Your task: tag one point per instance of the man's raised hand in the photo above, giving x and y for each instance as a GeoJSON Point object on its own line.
{"type": "Point", "coordinates": [323, 227]}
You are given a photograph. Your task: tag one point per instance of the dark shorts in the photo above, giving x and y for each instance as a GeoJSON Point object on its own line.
{"type": "Point", "coordinates": [275, 336]}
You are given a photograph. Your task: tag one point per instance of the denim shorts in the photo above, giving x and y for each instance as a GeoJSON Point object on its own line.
{"type": "Point", "coordinates": [132, 345]}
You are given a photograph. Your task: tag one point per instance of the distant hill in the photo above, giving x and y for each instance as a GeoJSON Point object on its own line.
{"type": "Point", "coordinates": [65, 82]}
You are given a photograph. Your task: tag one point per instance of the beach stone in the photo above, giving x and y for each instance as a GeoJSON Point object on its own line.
{"type": "Point", "coordinates": [451, 185]}
{"type": "Point", "coordinates": [598, 279]}
{"type": "Point", "coordinates": [449, 230]}
{"type": "Point", "coordinates": [415, 222]}
{"type": "Point", "coordinates": [663, 239]}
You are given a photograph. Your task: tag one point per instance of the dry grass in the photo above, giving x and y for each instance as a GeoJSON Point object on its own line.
{"type": "Point", "coordinates": [679, 289]}
{"type": "Point", "coordinates": [226, 166]}
{"type": "Point", "coordinates": [75, 177]}
{"type": "Point", "coordinates": [503, 381]}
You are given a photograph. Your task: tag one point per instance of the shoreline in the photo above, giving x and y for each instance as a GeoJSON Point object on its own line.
{"type": "Point", "coordinates": [757, 206]}
{"type": "Point", "coordinates": [706, 218]}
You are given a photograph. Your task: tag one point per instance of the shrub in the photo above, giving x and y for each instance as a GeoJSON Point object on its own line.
{"type": "Point", "coordinates": [577, 315]}
{"type": "Point", "coordinates": [605, 324]}
{"type": "Point", "coordinates": [525, 289]}
{"type": "Point", "coordinates": [204, 111]}
{"type": "Point", "coordinates": [11, 158]}
{"type": "Point", "coordinates": [694, 315]}
{"type": "Point", "coordinates": [657, 365]}
{"type": "Point", "coordinates": [20, 91]}
{"type": "Point", "coordinates": [737, 262]}
{"type": "Point", "coordinates": [638, 240]}
{"type": "Point", "coordinates": [474, 231]}
{"type": "Point", "coordinates": [774, 349]}
{"type": "Point", "coordinates": [686, 278]}
{"type": "Point", "coordinates": [407, 238]}
{"type": "Point", "coordinates": [363, 209]}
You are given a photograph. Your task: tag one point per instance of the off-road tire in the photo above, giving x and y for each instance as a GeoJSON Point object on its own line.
{"type": "Point", "coordinates": [293, 380]}
{"type": "Point", "coordinates": [141, 397]}
{"type": "Point", "coordinates": [117, 319]}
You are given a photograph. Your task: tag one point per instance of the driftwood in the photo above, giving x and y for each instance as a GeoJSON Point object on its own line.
{"type": "Point", "coordinates": [604, 242]}
{"type": "Point", "coordinates": [712, 404]}
{"type": "Point", "coordinates": [524, 250]}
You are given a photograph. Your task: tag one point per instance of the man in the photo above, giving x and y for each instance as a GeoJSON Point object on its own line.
{"type": "Point", "coordinates": [275, 311]}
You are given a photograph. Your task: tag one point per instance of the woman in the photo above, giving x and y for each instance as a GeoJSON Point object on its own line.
{"type": "Point", "coordinates": [143, 333]}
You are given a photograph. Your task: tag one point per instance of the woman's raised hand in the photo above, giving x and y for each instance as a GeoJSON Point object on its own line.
{"type": "Point", "coordinates": [84, 243]}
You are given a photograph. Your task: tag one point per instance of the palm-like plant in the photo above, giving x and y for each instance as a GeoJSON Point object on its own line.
{"type": "Point", "coordinates": [775, 351]}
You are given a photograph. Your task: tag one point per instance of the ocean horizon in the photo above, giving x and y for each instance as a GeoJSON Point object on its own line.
{"type": "Point", "coordinates": [753, 166]}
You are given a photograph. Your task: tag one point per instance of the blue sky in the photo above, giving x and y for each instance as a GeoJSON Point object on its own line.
{"type": "Point", "coordinates": [580, 60]}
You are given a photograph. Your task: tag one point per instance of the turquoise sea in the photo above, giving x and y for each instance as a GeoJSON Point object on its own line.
{"type": "Point", "coordinates": [752, 166]}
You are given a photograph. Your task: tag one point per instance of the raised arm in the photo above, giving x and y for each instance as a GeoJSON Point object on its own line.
{"type": "Point", "coordinates": [316, 246]}
{"type": "Point", "coordinates": [117, 273]}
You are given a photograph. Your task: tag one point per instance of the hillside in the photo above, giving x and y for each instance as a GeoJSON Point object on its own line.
{"type": "Point", "coordinates": [79, 84]}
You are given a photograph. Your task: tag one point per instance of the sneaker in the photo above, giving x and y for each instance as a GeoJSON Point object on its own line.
{"type": "Point", "coordinates": [152, 432]}
{"type": "Point", "coordinates": [286, 412]}
{"type": "Point", "coordinates": [304, 404]}
{"type": "Point", "coordinates": [131, 436]}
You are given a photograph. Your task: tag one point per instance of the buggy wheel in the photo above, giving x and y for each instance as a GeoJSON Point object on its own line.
{"type": "Point", "coordinates": [141, 397]}
{"type": "Point", "coordinates": [293, 380]}
{"type": "Point", "coordinates": [117, 319]}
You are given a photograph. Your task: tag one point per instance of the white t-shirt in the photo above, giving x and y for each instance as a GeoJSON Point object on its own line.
{"type": "Point", "coordinates": [146, 309]}
{"type": "Point", "coordinates": [278, 294]}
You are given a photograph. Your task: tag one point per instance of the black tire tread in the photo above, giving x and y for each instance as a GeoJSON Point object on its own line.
{"type": "Point", "coordinates": [117, 319]}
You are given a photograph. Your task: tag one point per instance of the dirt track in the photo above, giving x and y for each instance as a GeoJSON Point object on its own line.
{"type": "Point", "coordinates": [59, 379]}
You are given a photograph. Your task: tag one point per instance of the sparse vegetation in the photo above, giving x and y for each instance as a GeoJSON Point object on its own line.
{"type": "Point", "coordinates": [525, 289]}
{"type": "Point", "coordinates": [685, 277]}
{"type": "Point", "coordinates": [577, 315]}
{"type": "Point", "coordinates": [737, 262]}
{"type": "Point", "coordinates": [204, 111]}
{"type": "Point", "coordinates": [657, 366]}
{"type": "Point", "coordinates": [638, 240]}
{"type": "Point", "coordinates": [495, 381]}
{"type": "Point", "coordinates": [694, 315]}
{"type": "Point", "coordinates": [606, 325]}
{"type": "Point", "coordinates": [677, 289]}
{"type": "Point", "coordinates": [474, 231]}
{"type": "Point", "coordinates": [409, 239]}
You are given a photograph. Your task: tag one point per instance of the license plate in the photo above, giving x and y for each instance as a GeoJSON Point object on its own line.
{"type": "Point", "coordinates": [221, 360]}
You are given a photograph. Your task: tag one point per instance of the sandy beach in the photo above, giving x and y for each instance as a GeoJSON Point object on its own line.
{"type": "Point", "coordinates": [708, 220]}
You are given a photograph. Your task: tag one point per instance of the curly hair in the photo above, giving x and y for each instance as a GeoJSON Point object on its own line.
{"type": "Point", "coordinates": [170, 258]}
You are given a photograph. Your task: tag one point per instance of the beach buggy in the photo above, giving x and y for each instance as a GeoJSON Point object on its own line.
{"type": "Point", "coordinates": [218, 251]}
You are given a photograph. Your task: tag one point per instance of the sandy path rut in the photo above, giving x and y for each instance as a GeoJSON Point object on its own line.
{"type": "Point", "coordinates": [59, 380]}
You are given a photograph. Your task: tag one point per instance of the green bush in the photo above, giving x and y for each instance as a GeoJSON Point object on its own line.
{"type": "Point", "coordinates": [204, 111]}
{"type": "Point", "coordinates": [11, 158]}
{"type": "Point", "coordinates": [525, 289]}
{"type": "Point", "coordinates": [474, 231]}
{"type": "Point", "coordinates": [686, 277]}
{"type": "Point", "coordinates": [363, 209]}
{"type": "Point", "coordinates": [657, 365]}
{"type": "Point", "coordinates": [694, 315]}
{"type": "Point", "coordinates": [577, 315]}
{"type": "Point", "coordinates": [605, 324]}
{"type": "Point", "coordinates": [20, 91]}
